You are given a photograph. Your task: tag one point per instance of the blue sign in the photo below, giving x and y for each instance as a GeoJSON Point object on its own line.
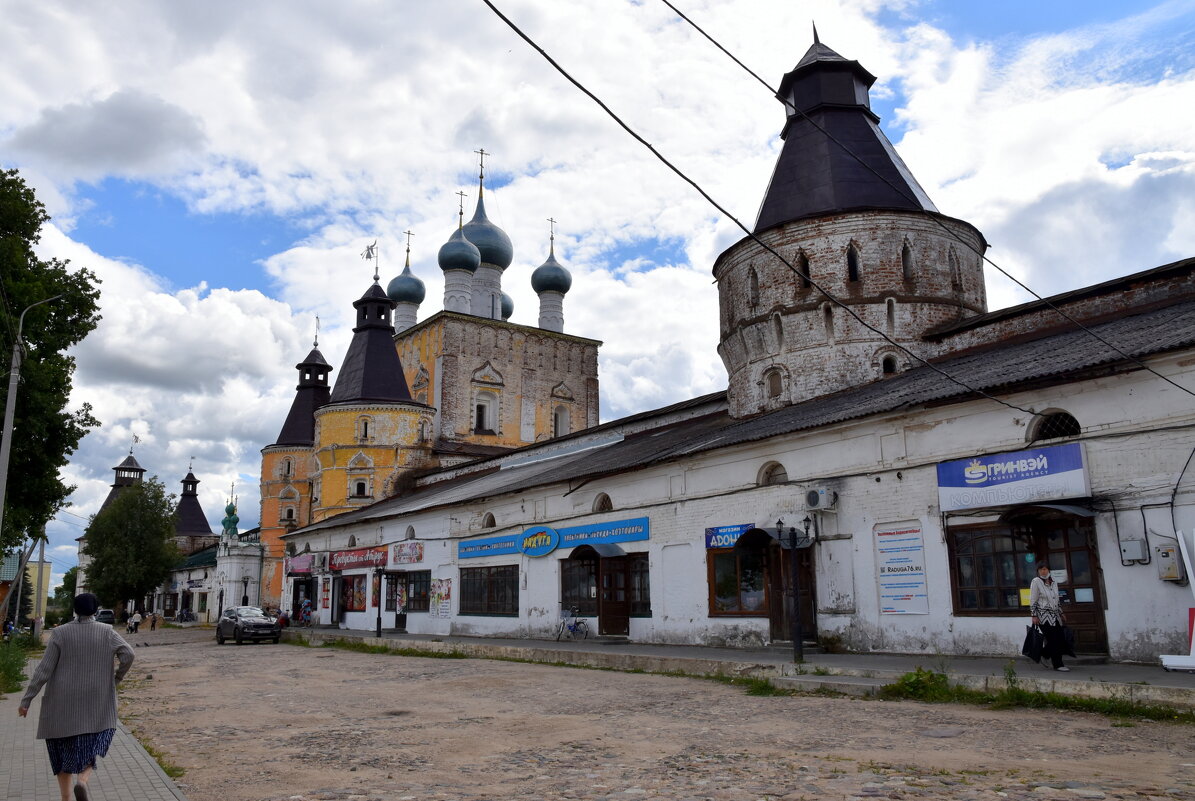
{"type": "Point", "coordinates": [725, 536]}
{"type": "Point", "coordinates": [542, 540]}
{"type": "Point", "coordinates": [1029, 476]}
{"type": "Point", "coordinates": [539, 541]}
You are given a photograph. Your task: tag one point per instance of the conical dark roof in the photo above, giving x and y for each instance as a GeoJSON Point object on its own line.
{"type": "Point", "coordinates": [128, 473]}
{"type": "Point", "coordinates": [371, 370]}
{"type": "Point", "coordinates": [814, 175]}
{"type": "Point", "coordinates": [189, 519]}
{"type": "Point", "coordinates": [311, 393]}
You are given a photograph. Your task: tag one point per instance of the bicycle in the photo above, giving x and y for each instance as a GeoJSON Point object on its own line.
{"type": "Point", "coordinates": [577, 627]}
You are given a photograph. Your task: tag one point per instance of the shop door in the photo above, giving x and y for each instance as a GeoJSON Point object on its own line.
{"type": "Point", "coordinates": [1069, 544]}
{"type": "Point", "coordinates": [614, 602]}
{"type": "Point", "coordinates": [780, 598]}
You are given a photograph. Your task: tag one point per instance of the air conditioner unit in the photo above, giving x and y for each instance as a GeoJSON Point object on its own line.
{"type": "Point", "coordinates": [820, 498]}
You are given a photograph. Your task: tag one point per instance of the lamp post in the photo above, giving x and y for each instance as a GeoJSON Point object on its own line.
{"type": "Point", "coordinates": [10, 405]}
{"type": "Point", "coordinates": [794, 541]}
{"type": "Point", "coordinates": [379, 572]}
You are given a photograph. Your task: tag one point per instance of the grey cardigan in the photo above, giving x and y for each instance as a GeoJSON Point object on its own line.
{"type": "Point", "coordinates": [77, 673]}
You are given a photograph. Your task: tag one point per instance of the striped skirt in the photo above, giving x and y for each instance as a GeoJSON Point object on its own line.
{"type": "Point", "coordinates": [77, 753]}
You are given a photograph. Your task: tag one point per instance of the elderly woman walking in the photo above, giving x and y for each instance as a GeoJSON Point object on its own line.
{"type": "Point", "coordinates": [78, 712]}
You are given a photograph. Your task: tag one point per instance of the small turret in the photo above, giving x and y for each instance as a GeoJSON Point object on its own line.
{"type": "Point", "coordinates": [551, 281]}
{"type": "Point", "coordinates": [459, 259]}
{"type": "Point", "coordinates": [496, 254]}
{"type": "Point", "coordinates": [407, 292]}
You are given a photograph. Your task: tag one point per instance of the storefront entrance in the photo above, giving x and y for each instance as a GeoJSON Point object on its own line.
{"type": "Point", "coordinates": [608, 584]}
{"type": "Point", "coordinates": [781, 603]}
{"type": "Point", "coordinates": [303, 590]}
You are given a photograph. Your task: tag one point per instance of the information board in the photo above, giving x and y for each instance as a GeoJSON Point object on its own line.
{"type": "Point", "coordinates": [900, 569]}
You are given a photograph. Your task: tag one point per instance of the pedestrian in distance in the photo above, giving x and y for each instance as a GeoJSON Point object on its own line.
{"type": "Point", "coordinates": [135, 621]}
{"type": "Point", "coordinates": [1047, 613]}
{"type": "Point", "coordinates": [153, 621]}
{"type": "Point", "coordinates": [78, 711]}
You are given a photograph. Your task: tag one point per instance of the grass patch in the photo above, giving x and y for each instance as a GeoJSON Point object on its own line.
{"type": "Point", "coordinates": [753, 684]}
{"type": "Point", "coordinates": [12, 666]}
{"type": "Point", "coordinates": [169, 768]}
{"type": "Point", "coordinates": [932, 687]}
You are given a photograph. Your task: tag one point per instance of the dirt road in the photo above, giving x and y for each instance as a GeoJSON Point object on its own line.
{"type": "Point", "coordinates": [276, 722]}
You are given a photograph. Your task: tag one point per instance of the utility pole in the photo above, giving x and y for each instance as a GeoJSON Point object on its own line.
{"type": "Point", "coordinates": [39, 599]}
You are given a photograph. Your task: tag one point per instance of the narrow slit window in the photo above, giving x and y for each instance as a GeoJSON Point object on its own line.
{"type": "Point", "coordinates": [852, 264]}
{"type": "Point", "coordinates": [906, 261]}
{"type": "Point", "coordinates": [803, 269]}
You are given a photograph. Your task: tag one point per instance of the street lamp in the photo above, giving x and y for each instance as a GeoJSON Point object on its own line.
{"type": "Point", "coordinates": [794, 541]}
{"type": "Point", "coordinates": [10, 404]}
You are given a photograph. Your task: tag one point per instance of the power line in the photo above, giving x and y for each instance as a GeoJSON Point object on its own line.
{"type": "Point", "coordinates": [736, 221]}
{"type": "Point", "coordinates": [903, 193]}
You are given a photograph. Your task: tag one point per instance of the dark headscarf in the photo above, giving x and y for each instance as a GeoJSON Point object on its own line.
{"type": "Point", "coordinates": [86, 604]}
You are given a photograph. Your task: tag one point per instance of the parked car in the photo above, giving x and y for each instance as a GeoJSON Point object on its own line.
{"type": "Point", "coordinates": [105, 616]}
{"type": "Point", "coordinates": [240, 623]}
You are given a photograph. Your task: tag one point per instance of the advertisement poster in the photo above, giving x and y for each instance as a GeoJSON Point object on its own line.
{"type": "Point", "coordinates": [900, 569]}
{"type": "Point", "coordinates": [358, 557]}
{"type": "Point", "coordinates": [376, 592]}
{"type": "Point", "coordinates": [326, 594]}
{"type": "Point", "coordinates": [440, 600]}
{"type": "Point", "coordinates": [406, 553]}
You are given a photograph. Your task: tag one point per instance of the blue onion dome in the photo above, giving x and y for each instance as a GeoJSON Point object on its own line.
{"type": "Point", "coordinates": [491, 241]}
{"type": "Point", "coordinates": [508, 306]}
{"type": "Point", "coordinates": [458, 253]}
{"type": "Point", "coordinates": [406, 288]}
{"type": "Point", "coordinates": [551, 276]}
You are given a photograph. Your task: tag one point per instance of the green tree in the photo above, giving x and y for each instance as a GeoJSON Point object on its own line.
{"type": "Point", "coordinates": [64, 593]}
{"type": "Point", "coordinates": [45, 431]}
{"type": "Point", "coordinates": [131, 543]}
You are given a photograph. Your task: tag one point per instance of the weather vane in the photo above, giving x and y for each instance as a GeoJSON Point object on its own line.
{"type": "Point", "coordinates": [316, 343]}
{"type": "Point", "coordinates": [136, 440]}
{"type": "Point", "coordinates": [371, 254]}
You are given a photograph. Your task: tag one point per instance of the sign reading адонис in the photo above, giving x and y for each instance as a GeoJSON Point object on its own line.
{"type": "Point", "coordinates": [361, 557]}
{"type": "Point", "coordinates": [542, 540]}
{"type": "Point", "coordinates": [725, 536]}
{"type": "Point", "coordinates": [1030, 476]}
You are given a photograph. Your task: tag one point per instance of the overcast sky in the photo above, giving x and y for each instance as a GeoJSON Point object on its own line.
{"type": "Point", "coordinates": [220, 165]}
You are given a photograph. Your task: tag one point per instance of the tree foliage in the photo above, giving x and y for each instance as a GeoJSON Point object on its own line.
{"type": "Point", "coordinates": [131, 543]}
{"type": "Point", "coordinates": [64, 593]}
{"type": "Point", "coordinates": [45, 431]}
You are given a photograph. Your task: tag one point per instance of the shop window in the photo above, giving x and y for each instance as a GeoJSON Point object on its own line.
{"type": "Point", "coordinates": [1053, 425]}
{"type": "Point", "coordinates": [352, 593]}
{"type": "Point", "coordinates": [989, 566]}
{"type": "Point", "coordinates": [637, 567]}
{"type": "Point", "coordinates": [579, 586]}
{"type": "Point", "coordinates": [416, 583]}
{"type": "Point", "coordinates": [490, 590]}
{"type": "Point", "coordinates": [737, 582]}
{"type": "Point", "coordinates": [773, 473]}
{"type": "Point", "coordinates": [602, 503]}
{"type": "Point", "coordinates": [202, 603]}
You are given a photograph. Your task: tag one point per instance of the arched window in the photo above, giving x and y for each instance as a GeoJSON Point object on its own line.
{"type": "Point", "coordinates": [290, 513]}
{"type": "Point", "coordinates": [359, 489]}
{"type": "Point", "coordinates": [602, 503]}
{"type": "Point", "coordinates": [906, 261]}
{"type": "Point", "coordinates": [364, 427]}
{"type": "Point", "coordinates": [828, 318]}
{"type": "Point", "coordinates": [773, 473]}
{"type": "Point", "coordinates": [889, 364]}
{"type": "Point", "coordinates": [288, 467]}
{"type": "Point", "coordinates": [774, 381]}
{"type": "Point", "coordinates": [488, 521]}
{"type": "Point", "coordinates": [778, 331]}
{"type": "Point", "coordinates": [352, 541]}
{"type": "Point", "coordinates": [560, 421]}
{"type": "Point", "coordinates": [956, 274]}
{"type": "Point", "coordinates": [890, 309]}
{"type": "Point", "coordinates": [803, 269]}
{"type": "Point", "coordinates": [485, 417]}
{"type": "Point", "coordinates": [409, 534]}
{"type": "Point", "coordinates": [1053, 425]}
{"type": "Point", "coordinates": [852, 263]}
{"type": "Point", "coordinates": [753, 288]}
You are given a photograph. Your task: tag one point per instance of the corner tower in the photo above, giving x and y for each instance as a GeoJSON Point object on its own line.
{"type": "Point", "coordinates": [371, 431]}
{"type": "Point", "coordinates": [846, 211]}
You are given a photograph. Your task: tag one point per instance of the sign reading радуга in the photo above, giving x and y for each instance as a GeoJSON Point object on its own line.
{"type": "Point", "coordinates": [543, 540]}
{"type": "Point", "coordinates": [1030, 476]}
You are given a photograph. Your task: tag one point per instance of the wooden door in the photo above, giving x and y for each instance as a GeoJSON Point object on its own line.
{"type": "Point", "coordinates": [1069, 544]}
{"type": "Point", "coordinates": [614, 601]}
{"type": "Point", "coordinates": [780, 600]}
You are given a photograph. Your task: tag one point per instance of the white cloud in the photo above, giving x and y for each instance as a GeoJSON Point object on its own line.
{"type": "Point", "coordinates": [358, 120]}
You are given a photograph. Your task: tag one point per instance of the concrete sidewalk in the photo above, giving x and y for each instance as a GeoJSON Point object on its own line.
{"type": "Point", "coordinates": [128, 773]}
{"type": "Point", "coordinates": [854, 674]}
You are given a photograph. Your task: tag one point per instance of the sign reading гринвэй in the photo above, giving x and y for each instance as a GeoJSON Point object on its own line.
{"type": "Point", "coordinates": [1039, 474]}
{"type": "Point", "coordinates": [542, 540]}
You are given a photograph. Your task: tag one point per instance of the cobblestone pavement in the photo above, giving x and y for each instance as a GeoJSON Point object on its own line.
{"type": "Point", "coordinates": [268, 723]}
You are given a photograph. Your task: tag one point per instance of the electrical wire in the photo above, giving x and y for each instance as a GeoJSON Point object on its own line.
{"type": "Point", "coordinates": [903, 193]}
{"type": "Point", "coordinates": [518, 31]}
